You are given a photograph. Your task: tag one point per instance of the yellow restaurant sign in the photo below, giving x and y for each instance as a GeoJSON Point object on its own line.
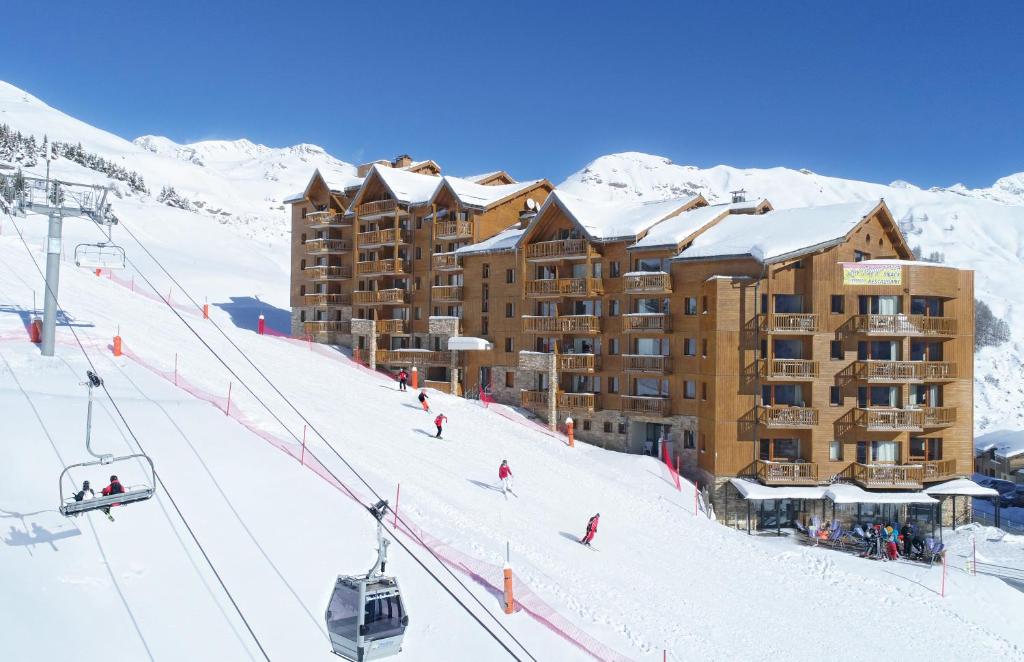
{"type": "Point", "coordinates": [855, 273]}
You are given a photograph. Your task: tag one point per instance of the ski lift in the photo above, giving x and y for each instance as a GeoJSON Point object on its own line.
{"type": "Point", "coordinates": [103, 255]}
{"type": "Point", "coordinates": [366, 617]}
{"type": "Point", "coordinates": [69, 507]}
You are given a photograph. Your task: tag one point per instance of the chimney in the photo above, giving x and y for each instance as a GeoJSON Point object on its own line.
{"type": "Point", "coordinates": [739, 195]}
{"type": "Point", "coordinates": [401, 161]}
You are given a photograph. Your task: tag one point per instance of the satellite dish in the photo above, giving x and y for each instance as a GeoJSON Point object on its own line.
{"type": "Point", "coordinates": [531, 204]}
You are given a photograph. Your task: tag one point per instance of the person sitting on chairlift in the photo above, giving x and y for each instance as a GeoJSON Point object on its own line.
{"type": "Point", "coordinates": [85, 493]}
{"type": "Point", "coordinates": [115, 487]}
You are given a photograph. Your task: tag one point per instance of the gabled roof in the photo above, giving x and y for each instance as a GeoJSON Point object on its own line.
{"type": "Point", "coordinates": [505, 240]}
{"type": "Point", "coordinates": [406, 187]}
{"type": "Point", "coordinates": [602, 220]}
{"type": "Point", "coordinates": [335, 185]}
{"type": "Point", "coordinates": [416, 166]}
{"type": "Point", "coordinates": [480, 196]}
{"type": "Point", "coordinates": [679, 228]}
{"type": "Point", "coordinates": [784, 233]}
{"type": "Point", "coordinates": [496, 177]}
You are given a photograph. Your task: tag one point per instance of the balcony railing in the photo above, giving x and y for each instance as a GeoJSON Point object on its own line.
{"type": "Point", "coordinates": [386, 237]}
{"type": "Point", "coordinates": [788, 368]}
{"type": "Point", "coordinates": [377, 208]}
{"type": "Point", "coordinates": [454, 229]}
{"type": "Point", "coordinates": [381, 268]}
{"type": "Point", "coordinates": [787, 417]}
{"type": "Point", "coordinates": [326, 326]}
{"type": "Point", "coordinates": [325, 219]}
{"type": "Point", "coordinates": [653, 282]}
{"type": "Point", "coordinates": [445, 262]}
{"type": "Point", "coordinates": [564, 287]}
{"type": "Point", "coordinates": [939, 470]}
{"type": "Point", "coordinates": [329, 272]}
{"type": "Point", "coordinates": [393, 326]}
{"type": "Point", "coordinates": [533, 399]}
{"type": "Point", "coordinates": [889, 419]}
{"type": "Point", "coordinates": [903, 325]}
{"type": "Point", "coordinates": [327, 246]}
{"type": "Point", "coordinates": [577, 401]}
{"type": "Point", "coordinates": [888, 476]}
{"type": "Point", "coordinates": [578, 362]}
{"type": "Point", "coordinates": [557, 250]}
{"type": "Point", "coordinates": [378, 297]}
{"type": "Point", "coordinates": [786, 473]}
{"type": "Point", "coordinates": [903, 371]}
{"type": "Point", "coordinates": [646, 323]}
{"type": "Point", "coordinates": [446, 292]}
{"type": "Point", "coordinates": [655, 363]}
{"type": "Point", "coordinates": [645, 405]}
{"type": "Point", "coordinates": [935, 417]}
{"type": "Point", "coordinates": [323, 300]}
{"type": "Point", "coordinates": [563, 324]}
{"type": "Point", "coordinates": [417, 357]}
{"type": "Point", "coordinates": [789, 322]}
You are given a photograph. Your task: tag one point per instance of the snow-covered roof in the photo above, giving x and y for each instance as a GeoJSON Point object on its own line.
{"type": "Point", "coordinates": [408, 187]}
{"type": "Point", "coordinates": [1005, 443]}
{"type": "Point", "coordinates": [778, 234]}
{"type": "Point", "coordinates": [476, 179]}
{"type": "Point", "coordinates": [674, 230]}
{"type": "Point", "coordinates": [472, 194]}
{"type": "Point", "coordinates": [503, 241]}
{"type": "Point", "coordinates": [337, 184]}
{"type": "Point", "coordinates": [908, 263]}
{"type": "Point", "coordinates": [846, 493]}
{"type": "Point", "coordinates": [467, 343]}
{"type": "Point", "coordinates": [961, 487]}
{"type": "Point", "coordinates": [602, 220]}
{"type": "Point", "coordinates": [754, 491]}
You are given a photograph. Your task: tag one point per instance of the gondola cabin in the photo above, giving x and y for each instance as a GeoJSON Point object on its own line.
{"type": "Point", "coordinates": [366, 618]}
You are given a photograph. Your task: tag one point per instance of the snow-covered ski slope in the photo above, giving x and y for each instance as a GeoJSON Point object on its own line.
{"type": "Point", "coordinates": [279, 531]}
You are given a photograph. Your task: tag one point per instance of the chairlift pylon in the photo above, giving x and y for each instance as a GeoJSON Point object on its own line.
{"type": "Point", "coordinates": [69, 506]}
{"type": "Point", "coordinates": [366, 617]}
{"type": "Point", "coordinates": [102, 255]}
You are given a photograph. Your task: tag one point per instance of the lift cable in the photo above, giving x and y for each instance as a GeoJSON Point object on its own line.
{"type": "Point", "coordinates": [131, 432]}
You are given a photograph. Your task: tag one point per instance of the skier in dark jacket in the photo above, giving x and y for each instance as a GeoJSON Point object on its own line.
{"type": "Point", "coordinates": [422, 397]}
{"type": "Point", "coordinates": [85, 493]}
{"type": "Point", "coordinates": [591, 529]}
{"type": "Point", "coordinates": [907, 533]}
{"type": "Point", "coordinates": [403, 377]}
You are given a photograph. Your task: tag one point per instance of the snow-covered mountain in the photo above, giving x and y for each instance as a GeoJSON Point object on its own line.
{"type": "Point", "coordinates": [980, 229]}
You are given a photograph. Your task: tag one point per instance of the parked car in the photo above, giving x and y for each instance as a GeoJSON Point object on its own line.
{"type": "Point", "coordinates": [998, 484]}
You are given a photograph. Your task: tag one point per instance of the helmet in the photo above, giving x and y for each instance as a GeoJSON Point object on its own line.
{"type": "Point", "coordinates": [113, 478]}
{"type": "Point", "coordinates": [85, 484]}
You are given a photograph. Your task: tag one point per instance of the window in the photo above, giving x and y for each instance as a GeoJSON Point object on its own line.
{"type": "Point", "coordinates": [860, 256]}
{"type": "Point", "coordinates": [510, 310]}
{"type": "Point", "coordinates": [835, 451]}
{"type": "Point", "coordinates": [878, 396]}
{"type": "Point", "coordinates": [419, 222]}
{"type": "Point", "coordinates": [302, 316]}
{"type": "Point", "coordinates": [510, 275]}
{"type": "Point", "coordinates": [704, 304]}
{"type": "Point", "coordinates": [485, 295]}
{"type": "Point", "coordinates": [608, 427]}
{"type": "Point", "coordinates": [485, 327]}
{"type": "Point", "coordinates": [885, 451]}
{"type": "Point", "coordinates": [614, 269]}
{"type": "Point", "coordinates": [508, 345]}
{"type": "Point", "coordinates": [838, 304]}
{"type": "Point", "coordinates": [782, 394]}
{"type": "Point", "coordinates": [704, 348]}
{"type": "Point", "coordinates": [690, 306]}
{"type": "Point", "coordinates": [703, 390]}
{"type": "Point", "coordinates": [596, 270]}
{"type": "Point", "coordinates": [586, 425]}
{"type": "Point", "coordinates": [510, 379]}
{"type": "Point", "coordinates": [836, 349]}
{"type": "Point", "coordinates": [779, 450]}
{"type": "Point", "coordinates": [416, 284]}
{"type": "Point", "coordinates": [613, 308]}
{"type": "Point", "coordinates": [689, 439]}
{"type": "Point", "coordinates": [799, 264]}
{"type": "Point", "coordinates": [648, 387]}
{"type": "Point", "coordinates": [879, 305]}
{"type": "Point", "coordinates": [303, 216]}
{"type": "Point", "coordinates": [486, 270]}
{"type": "Point", "coordinates": [925, 449]}
{"type": "Point", "coordinates": [703, 443]}
{"type": "Point", "coordinates": [613, 384]}
{"type": "Point", "coordinates": [835, 396]}
{"type": "Point", "coordinates": [437, 311]}
{"type": "Point", "coordinates": [418, 254]}
{"type": "Point", "coordinates": [622, 428]}
{"type": "Point", "coordinates": [789, 303]}
{"type": "Point", "coordinates": [689, 347]}
{"type": "Point", "coordinates": [302, 290]}
{"type": "Point", "coordinates": [690, 389]}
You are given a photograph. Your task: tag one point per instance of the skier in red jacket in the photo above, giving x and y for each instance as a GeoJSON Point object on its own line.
{"type": "Point", "coordinates": [591, 529]}
{"type": "Point", "coordinates": [115, 487]}
{"type": "Point", "coordinates": [403, 377]}
{"type": "Point", "coordinates": [505, 476]}
{"type": "Point", "coordinates": [440, 420]}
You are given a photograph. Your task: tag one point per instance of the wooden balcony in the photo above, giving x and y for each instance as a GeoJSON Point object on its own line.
{"type": "Point", "coordinates": [564, 287]}
{"type": "Point", "coordinates": [533, 399]}
{"type": "Point", "coordinates": [388, 237]}
{"type": "Point", "coordinates": [788, 323]}
{"type": "Point", "coordinates": [889, 419]}
{"type": "Point", "coordinates": [888, 476]}
{"type": "Point", "coordinates": [903, 371]}
{"type": "Point", "coordinates": [410, 357]}
{"type": "Point", "coordinates": [452, 230]}
{"type": "Point", "coordinates": [796, 369]}
{"type": "Point", "coordinates": [786, 473]}
{"type": "Point", "coordinates": [578, 362]}
{"type": "Point", "coordinates": [937, 417]}
{"type": "Point", "coordinates": [939, 371]}
{"type": "Point", "coordinates": [328, 272]}
{"type": "Point", "coordinates": [328, 300]}
{"type": "Point", "coordinates": [393, 326]}
{"type": "Point", "coordinates": [327, 246]}
{"type": "Point", "coordinates": [642, 405]}
{"type": "Point", "coordinates": [379, 208]}
{"type": "Point", "coordinates": [655, 282]}
{"type": "Point", "coordinates": [903, 325]}
{"type": "Point", "coordinates": [787, 418]}
{"type": "Point", "coordinates": [562, 249]}
{"type": "Point", "coordinates": [586, 402]}
{"type": "Point", "coordinates": [580, 324]}
{"type": "Point", "coordinates": [378, 297]}
{"type": "Point", "coordinates": [653, 363]}
{"type": "Point", "coordinates": [326, 326]}
{"type": "Point", "coordinates": [646, 323]}
{"type": "Point", "coordinates": [939, 470]}
{"type": "Point", "coordinates": [445, 262]}
{"type": "Point", "coordinates": [381, 268]}
{"type": "Point", "coordinates": [443, 293]}
{"type": "Point", "coordinates": [326, 219]}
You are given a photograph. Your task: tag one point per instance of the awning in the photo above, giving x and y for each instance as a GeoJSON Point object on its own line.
{"type": "Point", "coordinates": [961, 487]}
{"type": "Point", "coordinates": [466, 343]}
{"type": "Point", "coordinates": [752, 491]}
{"type": "Point", "coordinates": [845, 493]}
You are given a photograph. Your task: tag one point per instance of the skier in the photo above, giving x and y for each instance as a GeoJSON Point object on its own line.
{"type": "Point", "coordinates": [906, 535]}
{"type": "Point", "coordinates": [423, 400]}
{"type": "Point", "coordinates": [403, 377]}
{"type": "Point", "coordinates": [591, 529]}
{"type": "Point", "coordinates": [439, 421]}
{"type": "Point", "coordinates": [115, 487]}
{"type": "Point", "coordinates": [505, 476]}
{"type": "Point", "coordinates": [85, 493]}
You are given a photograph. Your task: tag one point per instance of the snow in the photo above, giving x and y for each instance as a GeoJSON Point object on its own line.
{"type": "Point", "coordinates": [846, 493]}
{"type": "Point", "coordinates": [472, 194]}
{"type": "Point", "coordinates": [476, 179]}
{"type": "Point", "coordinates": [754, 491]}
{"type": "Point", "coordinates": [467, 343]}
{"type": "Point", "coordinates": [505, 240]}
{"type": "Point", "coordinates": [677, 229]}
{"type": "Point", "coordinates": [408, 187]}
{"type": "Point", "coordinates": [961, 487]}
{"type": "Point", "coordinates": [778, 234]}
{"type": "Point", "coordinates": [1006, 443]}
{"type": "Point", "coordinates": [605, 221]}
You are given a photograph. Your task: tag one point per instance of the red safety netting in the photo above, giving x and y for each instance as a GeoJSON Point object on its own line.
{"type": "Point", "coordinates": [671, 470]}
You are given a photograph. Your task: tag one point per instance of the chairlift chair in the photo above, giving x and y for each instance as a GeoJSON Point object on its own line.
{"type": "Point", "coordinates": [69, 507]}
{"type": "Point", "coordinates": [366, 617]}
{"type": "Point", "coordinates": [103, 255]}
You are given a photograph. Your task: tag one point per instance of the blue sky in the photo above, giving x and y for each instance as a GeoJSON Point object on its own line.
{"type": "Point", "coordinates": [928, 92]}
